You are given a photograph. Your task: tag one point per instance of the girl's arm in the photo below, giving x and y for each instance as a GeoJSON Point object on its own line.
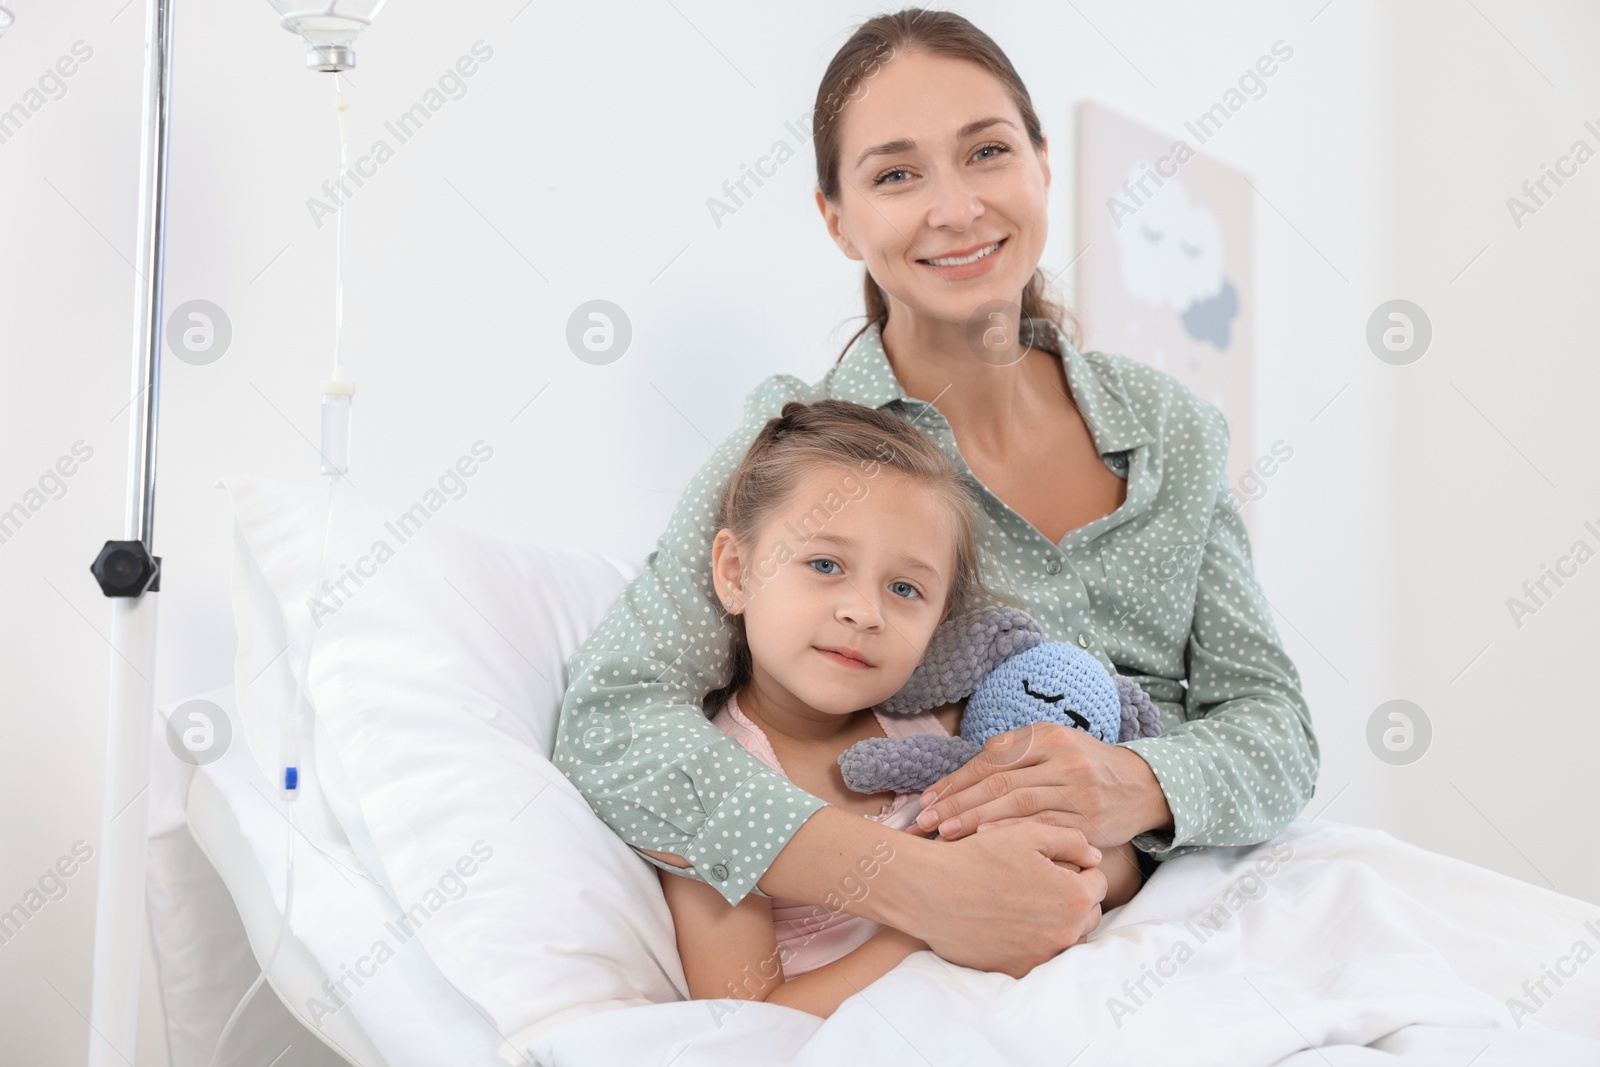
{"type": "Point", "coordinates": [728, 950]}
{"type": "Point", "coordinates": [1123, 876]}
{"type": "Point", "coordinates": [732, 951]}
{"type": "Point", "coordinates": [821, 991]}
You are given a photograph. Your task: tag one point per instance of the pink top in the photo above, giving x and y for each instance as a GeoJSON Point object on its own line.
{"type": "Point", "coordinates": [809, 935]}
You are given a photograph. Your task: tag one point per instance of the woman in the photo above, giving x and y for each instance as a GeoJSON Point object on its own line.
{"type": "Point", "coordinates": [1109, 514]}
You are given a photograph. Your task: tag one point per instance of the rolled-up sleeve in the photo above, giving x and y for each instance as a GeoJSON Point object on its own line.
{"type": "Point", "coordinates": [632, 735]}
{"type": "Point", "coordinates": [1244, 763]}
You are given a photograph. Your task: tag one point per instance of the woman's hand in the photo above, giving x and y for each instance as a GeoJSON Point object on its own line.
{"type": "Point", "coordinates": [1119, 863]}
{"type": "Point", "coordinates": [1052, 774]}
{"type": "Point", "coordinates": [1006, 901]}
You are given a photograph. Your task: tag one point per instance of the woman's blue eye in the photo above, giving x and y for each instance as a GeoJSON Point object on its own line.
{"type": "Point", "coordinates": [908, 585]}
{"type": "Point", "coordinates": [880, 179]}
{"type": "Point", "coordinates": [829, 562]}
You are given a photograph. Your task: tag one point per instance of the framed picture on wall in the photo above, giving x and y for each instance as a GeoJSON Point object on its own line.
{"type": "Point", "coordinates": [1167, 277]}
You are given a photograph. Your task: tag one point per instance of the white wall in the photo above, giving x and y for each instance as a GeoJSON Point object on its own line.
{"type": "Point", "coordinates": [577, 166]}
{"type": "Point", "coordinates": [1495, 443]}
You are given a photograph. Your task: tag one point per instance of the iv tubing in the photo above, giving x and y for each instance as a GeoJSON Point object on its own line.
{"type": "Point", "coordinates": [295, 723]}
{"type": "Point", "coordinates": [294, 729]}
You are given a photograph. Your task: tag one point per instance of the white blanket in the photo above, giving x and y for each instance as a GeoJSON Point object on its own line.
{"type": "Point", "coordinates": [1329, 945]}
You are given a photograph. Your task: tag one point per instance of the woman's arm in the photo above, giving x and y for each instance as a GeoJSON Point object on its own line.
{"type": "Point", "coordinates": [1244, 762]}
{"type": "Point", "coordinates": [733, 952]}
{"type": "Point", "coordinates": [1006, 901]}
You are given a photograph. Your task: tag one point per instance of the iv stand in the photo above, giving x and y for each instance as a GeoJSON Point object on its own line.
{"type": "Point", "coordinates": [126, 572]}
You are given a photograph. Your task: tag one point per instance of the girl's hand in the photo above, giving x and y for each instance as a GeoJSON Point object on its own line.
{"type": "Point", "coordinates": [1053, 774]}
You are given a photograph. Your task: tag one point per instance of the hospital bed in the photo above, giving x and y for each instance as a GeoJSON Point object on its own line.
{"type": "Point", "coordinates": [456, 902]}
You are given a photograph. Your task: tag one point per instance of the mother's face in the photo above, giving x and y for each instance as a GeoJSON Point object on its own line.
{"type": "Point", "coordinates": [919, 180]}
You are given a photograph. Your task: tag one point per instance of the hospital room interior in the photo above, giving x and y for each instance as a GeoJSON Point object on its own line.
{"type": "Point", "coordinates": [374, 374]}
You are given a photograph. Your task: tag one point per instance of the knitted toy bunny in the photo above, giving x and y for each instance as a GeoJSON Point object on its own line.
{"type": "Point", "coordinates": [999, 659]}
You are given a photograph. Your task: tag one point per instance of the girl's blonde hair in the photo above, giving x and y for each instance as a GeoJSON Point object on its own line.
{"type": "Point", "coordinates": [855, 438]}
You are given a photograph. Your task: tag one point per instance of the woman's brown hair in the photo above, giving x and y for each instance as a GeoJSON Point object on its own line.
{"type": "Point", "coordinates": [860, 442]}
{"type": "Point", "coordinates": [938, 33]}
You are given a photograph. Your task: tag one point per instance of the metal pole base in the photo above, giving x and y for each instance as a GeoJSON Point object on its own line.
{"type": "Point", "coordinates": [124, 827]}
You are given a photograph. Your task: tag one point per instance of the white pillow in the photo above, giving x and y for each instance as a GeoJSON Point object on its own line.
{"type": "Point", "coordinates": [263, 689]}
{"type": "Point", "coordinates": [402, 1009]}
{"type": "Point", "coordinates": [405, 1007]}
{"type": "Point", "coordinates": [438, 671]}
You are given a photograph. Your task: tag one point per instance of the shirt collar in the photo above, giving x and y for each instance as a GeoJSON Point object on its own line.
{"type": "Point", "coordinates": [865, 377]}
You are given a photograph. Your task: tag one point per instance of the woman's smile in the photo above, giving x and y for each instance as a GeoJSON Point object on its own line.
{"type": "Point", "coordinates": [971, 264]}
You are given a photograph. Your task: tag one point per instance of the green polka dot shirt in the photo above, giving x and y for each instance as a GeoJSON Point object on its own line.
{"type": "Point", "coordinates": [1162, 590]}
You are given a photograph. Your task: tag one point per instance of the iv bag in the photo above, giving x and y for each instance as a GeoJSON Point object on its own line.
{"type": "Point", "coordinates": [329, 28]}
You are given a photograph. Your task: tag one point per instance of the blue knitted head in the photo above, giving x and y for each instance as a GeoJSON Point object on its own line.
{"type": "Point", "coordinates": [998, 659]}
{"type": "Point", "coordinates": [1051, 682]}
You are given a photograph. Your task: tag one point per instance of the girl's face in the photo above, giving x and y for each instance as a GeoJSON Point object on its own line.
{"type": "Point", "coordinates": [924, 174]}
{"type": "Point", "coordinates": [851, 563]}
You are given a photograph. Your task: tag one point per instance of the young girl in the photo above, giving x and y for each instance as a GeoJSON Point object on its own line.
{"type": "Point", "coordinates": [845, 537]}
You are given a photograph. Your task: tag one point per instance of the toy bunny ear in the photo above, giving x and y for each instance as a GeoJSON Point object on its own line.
{"type": "Point", "coordinates": [1139, 715]}
{"type": "Point", "coordinates": [963, 650]}
{"type": "Point", "coordinates": [903, 764]}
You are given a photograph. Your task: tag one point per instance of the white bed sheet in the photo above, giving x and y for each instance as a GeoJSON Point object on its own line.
{"type": "Point", "coordinates": [1356, 945]}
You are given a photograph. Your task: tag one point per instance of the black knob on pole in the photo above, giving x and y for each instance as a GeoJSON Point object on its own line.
{"type": "Point", "coordinates": [126, 568]}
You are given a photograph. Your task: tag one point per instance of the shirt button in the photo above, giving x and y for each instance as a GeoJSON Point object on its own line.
{"type": "Point", "coordinates": [1083, 640]}
{"type": "Point", "coordinates": [719, 872]}
{"type": "Point", "coordinates": [1053, 566]}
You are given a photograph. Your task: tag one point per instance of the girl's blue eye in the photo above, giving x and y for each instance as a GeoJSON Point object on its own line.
{"type": "Point", "coordinates": [818, 564]}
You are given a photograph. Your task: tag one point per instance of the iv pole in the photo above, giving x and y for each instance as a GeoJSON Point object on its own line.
{"type": "Point", "coordinates": [127, 572]}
